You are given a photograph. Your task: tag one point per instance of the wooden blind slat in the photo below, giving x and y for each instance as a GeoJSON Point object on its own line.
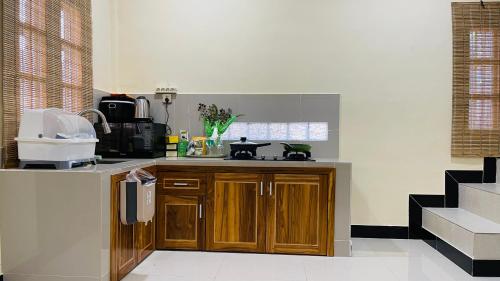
{"type": "Point", "coordinates": [47, 60]}
{"type": "Point", "coordinates": [476, 80]}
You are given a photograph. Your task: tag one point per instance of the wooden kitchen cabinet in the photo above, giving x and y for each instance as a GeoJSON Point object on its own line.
{"type": "Point", "coordinates": [180, 208]}
{"type": "Point", "coordinates": [274, 213]}
{"type": "Point", "coordinates": [130, 244]}
{"type": "Point", "coordinates": [145, 239]}
{"type": "Point", "coordinates": [236, 213]}
{"type": "Point", "coordinates": [180, 222]}
{"type": "Point", "coordinates": [297, 214]}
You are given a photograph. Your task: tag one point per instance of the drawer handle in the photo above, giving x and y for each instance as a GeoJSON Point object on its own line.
{"type": "Point", "coordinates": [201, 211]}
{"type": "Point", "coordinates": [181, 184]}
{"type": "Point", "coordinates": [271, 188]}
{"type": "Point", "coordinates": [261, 188]}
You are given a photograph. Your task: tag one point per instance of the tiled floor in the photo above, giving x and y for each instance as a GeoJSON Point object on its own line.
{"type": "Point", "coordinates": [373, 259]}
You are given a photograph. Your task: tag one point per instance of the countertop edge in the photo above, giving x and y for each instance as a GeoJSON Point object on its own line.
{"type": "Point", "coordinates": [112, 169]}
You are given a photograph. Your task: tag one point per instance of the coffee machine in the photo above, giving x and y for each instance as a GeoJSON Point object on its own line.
{"type": "Point", "coordinates": [136, 136]}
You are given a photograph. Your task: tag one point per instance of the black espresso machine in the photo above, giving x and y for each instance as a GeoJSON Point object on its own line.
{"type": "Point", "coordinates": [133, 132]}
{"type": "Point", "coordinates": [131, 140]}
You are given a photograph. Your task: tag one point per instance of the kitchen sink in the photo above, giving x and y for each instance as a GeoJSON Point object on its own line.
{"type": "Point", "coordinates": [107, 161]}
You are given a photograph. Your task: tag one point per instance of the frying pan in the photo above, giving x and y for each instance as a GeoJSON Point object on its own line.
{"type": "Point", "coordinates": [298, 147]}
{"type": "Point", "coordinates": [246, 146]}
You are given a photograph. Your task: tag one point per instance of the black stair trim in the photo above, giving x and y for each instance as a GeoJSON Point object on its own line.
{"type": "Point", "coordinates": [415, 205]}
{"type": "Point", "coordinates": [486, 268]}
{"type": "Point", "coordinates": [477, 268]}
{"type": "Point", "coordinates": [490, 170]}
{"type": "Point", "coordinates": [457, 257]}
{"type": "Point", "coordinates": [453, 178]}
{"type": "Point", "coordinates": [379, 231]}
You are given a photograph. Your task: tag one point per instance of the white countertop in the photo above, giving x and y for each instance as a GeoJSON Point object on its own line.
{"type": "Point", "coordinates": [129, 164]}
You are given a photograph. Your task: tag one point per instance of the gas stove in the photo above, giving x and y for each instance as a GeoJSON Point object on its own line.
{"type": "Point", "coordinates": [287, 156]}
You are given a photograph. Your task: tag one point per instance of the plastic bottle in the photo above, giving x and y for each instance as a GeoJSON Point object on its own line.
{"type": "Point", "coordinates": [182, 148]}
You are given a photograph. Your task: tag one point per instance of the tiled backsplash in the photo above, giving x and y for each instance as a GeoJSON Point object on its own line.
{"type": "Point", "coordinates": [260, 108]}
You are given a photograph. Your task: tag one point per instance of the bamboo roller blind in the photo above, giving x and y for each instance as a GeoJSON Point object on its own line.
{"type": "Point", "coordinates": [476, 80]}
{"type": "Point", "coordinates": [47, 60]}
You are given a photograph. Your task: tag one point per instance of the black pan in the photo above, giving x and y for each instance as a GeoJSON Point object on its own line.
{"type": "Point", "coordinates": [244, 145]}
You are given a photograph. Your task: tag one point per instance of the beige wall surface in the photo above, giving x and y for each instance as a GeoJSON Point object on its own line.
{"type": "Point", "coordinates": [103, 38]}
{"type": "Point", "coordinates": [391, 60]}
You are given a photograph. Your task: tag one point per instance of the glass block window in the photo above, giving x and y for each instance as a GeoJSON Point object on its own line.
{"type": "Point", "coordinates": [273, 131]}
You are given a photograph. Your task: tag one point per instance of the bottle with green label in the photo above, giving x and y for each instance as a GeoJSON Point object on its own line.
{"type": "Point", "coordinates": [183, 144]}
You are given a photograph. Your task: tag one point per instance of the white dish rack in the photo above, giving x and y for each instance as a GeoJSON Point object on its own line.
{"type": "Point", "coordinates": [55, 137]}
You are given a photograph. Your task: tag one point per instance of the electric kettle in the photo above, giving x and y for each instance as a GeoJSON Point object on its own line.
{"type": "Point", "coordinates": [142, 107]}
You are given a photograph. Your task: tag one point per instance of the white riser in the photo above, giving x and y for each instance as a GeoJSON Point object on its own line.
{"type": "Point", "coordinates": [474, 236]}
{"type": "Point", "coordinates": [481, 199]}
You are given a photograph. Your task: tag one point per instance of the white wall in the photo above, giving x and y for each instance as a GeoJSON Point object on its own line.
{"type": "Point", "coordinates": [390, 59]}
{"type": "Point", "coordinates": [103, 39]}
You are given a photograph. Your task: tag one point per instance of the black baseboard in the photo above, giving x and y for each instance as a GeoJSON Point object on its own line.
{"type": "Point", "coordinates": [490, 169]}
{"type": "Point", "coordinates": [415, 205]}
{"type": "Point", "coordinates": [378, 231]}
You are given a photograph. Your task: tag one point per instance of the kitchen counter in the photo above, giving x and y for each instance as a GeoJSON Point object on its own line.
{"type": "Point", "coordinates": [56, 223]}
{"type": "Point", "coordinates": [130, 164]}
{"type": "Point", "coordinates": [319, 163]}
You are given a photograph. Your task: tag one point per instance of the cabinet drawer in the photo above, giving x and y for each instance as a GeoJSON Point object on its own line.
{"type": "Point", "coordinates": [187, 183]}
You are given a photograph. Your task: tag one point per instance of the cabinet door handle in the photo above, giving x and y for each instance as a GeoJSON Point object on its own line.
{"type": "Point", "coordinates": [181, 184]}
{"type": "Point", "coordinates": [201, 211]}
{"type": "Point", "coordinates": [261, 188]}
{"type": "Point", "coordinates": [271, 188]}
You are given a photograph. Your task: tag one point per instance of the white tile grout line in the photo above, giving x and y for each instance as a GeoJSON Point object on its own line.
{"type": "Point", "coordinates": [220, 267]}
{"type": "Point", "coordinates": [304, 269]}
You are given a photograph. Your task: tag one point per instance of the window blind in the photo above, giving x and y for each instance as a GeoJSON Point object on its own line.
{"type": "Point", "coordinates": [47, 60]}
{"type": "Point", "coordinates": [476, 80]}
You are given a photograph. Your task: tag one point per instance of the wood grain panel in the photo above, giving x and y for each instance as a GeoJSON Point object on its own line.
{"type": "Point", "coordinates": [235, 213]}
{"type": "Point", "coordinates": [297, 212]}
{"type": "Point", "coordinates": [129, 244]}
{"type": "Point", "coordinates": [179, 222]}
{"type": "Point", "coordinates": [331, 213]}
{"type": "Point", "coordinates": [146, 232]}
{"type": "Point", "coordinates": [123, 248]}
{"type": "Point", "coordinates": [145, 239]}
{"type": "Point", "coordinates": [185, 182]}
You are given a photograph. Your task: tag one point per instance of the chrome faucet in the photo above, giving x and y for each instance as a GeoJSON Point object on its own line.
{"type": "Point", "coordinates": [105, 125]}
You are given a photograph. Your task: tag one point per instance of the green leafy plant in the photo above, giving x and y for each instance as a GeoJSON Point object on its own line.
{"type": "Point", "coordinates": [214, 117]}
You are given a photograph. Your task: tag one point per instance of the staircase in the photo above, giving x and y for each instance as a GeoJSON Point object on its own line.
{"type": "Point", "coordinates": [470, 234]}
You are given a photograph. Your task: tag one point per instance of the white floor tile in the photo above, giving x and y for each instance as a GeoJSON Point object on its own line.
{"type": "Point", "coordinates": [373, 259]}
{"type": "Point", "coordinates": [249, 267]}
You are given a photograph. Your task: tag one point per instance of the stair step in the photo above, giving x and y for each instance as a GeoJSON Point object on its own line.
{"type": "Point", "coordinates": [487, 187]}
{"type": "Point", "coordinates": [473, 235]}
{"type": "Point", "coordinates": [482, 199]}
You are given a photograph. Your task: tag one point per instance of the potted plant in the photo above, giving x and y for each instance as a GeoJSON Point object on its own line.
{"type": "Point", "coordinates": [216, 121]}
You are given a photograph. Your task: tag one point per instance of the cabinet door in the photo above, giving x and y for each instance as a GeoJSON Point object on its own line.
{"type": "Point", "coordinates": [145, 233]}
{"type": "Point", "coordinates": [180, 223]}
{"type": "Point", "coordinates": [145, 239]}
{"type": "Point", "coordinates": [123, 246]}
{"type": "Point", "coordinates": [297, 214]}
{"type": "Point", "coordinates": [235, 213]}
